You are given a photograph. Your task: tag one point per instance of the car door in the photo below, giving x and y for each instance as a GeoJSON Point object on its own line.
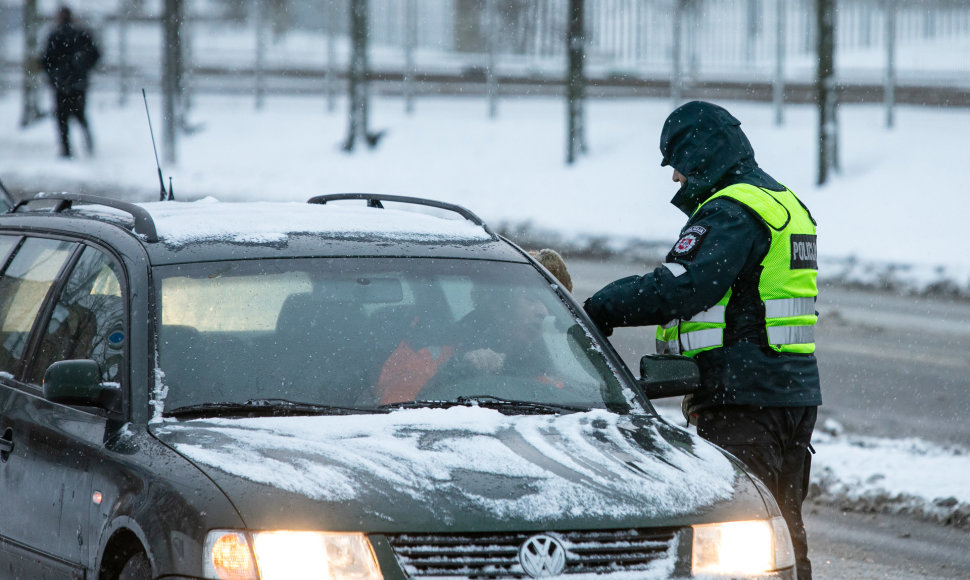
{"type": "Point", "coordinates": [27, 281]}
{"type": "Point", "coordinates": [57, 446]}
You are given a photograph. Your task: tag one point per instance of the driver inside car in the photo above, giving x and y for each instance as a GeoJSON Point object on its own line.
{"type": "Point", "coordinates": [502, 335]}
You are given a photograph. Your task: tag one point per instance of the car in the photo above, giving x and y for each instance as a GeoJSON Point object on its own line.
{"type": "Point", "coordinates": [363, 386]}
{"type": "Point", "coordinates": [6, 200]}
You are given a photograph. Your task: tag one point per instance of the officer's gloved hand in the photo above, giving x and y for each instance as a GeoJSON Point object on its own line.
{"type": "Point", "coordinates": [591, 307]}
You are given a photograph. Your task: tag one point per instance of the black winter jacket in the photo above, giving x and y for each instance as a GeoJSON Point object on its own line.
{"type": "Point", "coordinates": [70, 55]}
{"type": "Point", "coordinates": [705, 143]}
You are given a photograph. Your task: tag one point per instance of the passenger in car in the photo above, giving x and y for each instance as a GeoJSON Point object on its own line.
{"type": "Point", "coordinates": [502, 335]}
{"type": "Point", "coordinates": [552, 261]}
{"type": "Point", "coordinates": [478, 345]}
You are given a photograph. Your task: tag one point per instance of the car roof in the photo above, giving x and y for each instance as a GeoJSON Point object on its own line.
{"type": "Point", "coordinates": [208, 230]}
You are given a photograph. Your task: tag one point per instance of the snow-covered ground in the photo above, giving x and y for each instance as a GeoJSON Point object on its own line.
{"type": "Point", "coordinates": [893, 217]}
{"type": "Point", "coordinates": [907, 476]}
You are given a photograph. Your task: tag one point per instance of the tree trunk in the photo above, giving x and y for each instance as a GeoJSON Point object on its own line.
{"type": "Point", "coordinates": [259, 9]}
{"type": "Point", "coordinates": [359, 96]}
{"type": "Point", "coordinates": [172, 77]}
{"type": "Point", "coordinates": [576, 82]}
{"type": "Point", "coordinates": [826, 90]}
{"type": "Point", "coordinates": [889, 90]}
{"type": "Point", "coordinates": [32, 67]}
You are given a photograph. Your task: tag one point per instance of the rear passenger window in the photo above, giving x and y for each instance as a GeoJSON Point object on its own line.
{"type": "Point", "coordinates": [88, 321]}
{"type": "Point", "coordinates": [23, 287]}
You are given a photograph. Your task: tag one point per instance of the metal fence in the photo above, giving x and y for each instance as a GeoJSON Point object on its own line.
{"type": "Point", "coordinates": [299, 41]}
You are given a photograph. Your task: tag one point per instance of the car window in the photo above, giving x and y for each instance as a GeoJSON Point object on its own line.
{"type": "Point", "coordinates": [23, 288]}
{"type": "Point", "coordinates": [88, 320]}
{"type": "Point", "coordinates": [7, 244]}
{"type": "Point", "coordinates": [372, 331]}
{"type": "Point", "coordinates": [230, 303]}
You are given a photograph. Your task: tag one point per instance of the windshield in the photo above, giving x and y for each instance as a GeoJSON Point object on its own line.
{"type": "Point", "coordinates": [368, 333]}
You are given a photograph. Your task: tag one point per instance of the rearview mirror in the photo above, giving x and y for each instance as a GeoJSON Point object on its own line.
{"type": "Point", "coordinates": [78, 382]}
{"type": "Point", "coordinates": [668, 375]}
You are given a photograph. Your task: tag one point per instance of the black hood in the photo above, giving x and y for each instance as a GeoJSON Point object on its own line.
{"type": "Point", "coordinates": [464, 468]}
{"type": "Point", "coordinates": [706, 144]}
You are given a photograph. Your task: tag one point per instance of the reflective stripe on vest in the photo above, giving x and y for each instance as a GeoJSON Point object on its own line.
{"type": "Point", "coordinates": [713, 314]}
{"type": "Point", "coordinates": [791, 334]}
{"type": "Point", "coordinates": [703, 331]}
{"type": "Point", "coordinates": [692, 341]}
{"type": "Point", "coordinates": [787, 307]}
{"type": "Point", "coordinates": [787, 287]}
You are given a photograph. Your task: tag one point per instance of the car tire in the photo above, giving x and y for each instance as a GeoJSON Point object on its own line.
{"type": "Point", "coordinates": [136, 568]}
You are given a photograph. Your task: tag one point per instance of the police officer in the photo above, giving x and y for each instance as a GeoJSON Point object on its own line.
{"type": "Point", "coordinates": [737, 293]}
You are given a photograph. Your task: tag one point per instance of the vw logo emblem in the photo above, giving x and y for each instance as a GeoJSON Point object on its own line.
{"type": "Point", "coordinates": [542, 556]}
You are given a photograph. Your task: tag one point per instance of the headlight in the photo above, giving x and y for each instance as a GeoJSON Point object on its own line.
{"type": "Point", "coordinates": [747, 548]}
{"type": "Point", "coordinates": [236, 555]}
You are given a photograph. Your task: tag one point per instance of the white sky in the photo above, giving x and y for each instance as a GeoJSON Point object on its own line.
{"type": "Point", "coordinates": [900, 199]}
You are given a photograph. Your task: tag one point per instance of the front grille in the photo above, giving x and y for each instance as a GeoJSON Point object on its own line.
{"type": "Point", "coordinates": [482, 556]}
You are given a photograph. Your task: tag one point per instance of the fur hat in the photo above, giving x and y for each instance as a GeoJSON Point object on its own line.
{"type": "Point", "coordinates": [552, 261]}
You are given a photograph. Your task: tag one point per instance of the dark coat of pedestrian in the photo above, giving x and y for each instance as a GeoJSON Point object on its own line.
{"type": "Point", "coordinates": [70, 55]}
{"type": "Point", "coordinates": [737, 294]}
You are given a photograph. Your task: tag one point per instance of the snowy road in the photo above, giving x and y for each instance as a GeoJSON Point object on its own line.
{"type": "Point", "coordinates": [869, 547]}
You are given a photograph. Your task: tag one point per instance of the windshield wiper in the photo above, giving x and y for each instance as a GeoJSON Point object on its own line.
{"type": "Point", "coordinates": [499, 404]}
{"type": "Point", "coordinates": [265, 408]}
{"type": "Point", "coordinates": [490, 402]}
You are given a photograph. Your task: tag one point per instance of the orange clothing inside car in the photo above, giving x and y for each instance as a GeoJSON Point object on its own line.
{"type": "Point", "coordinates": [407, 371]}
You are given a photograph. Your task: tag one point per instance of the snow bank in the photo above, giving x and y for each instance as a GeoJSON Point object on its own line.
{"type": "Point", "coordinates": [900, 476]}
{"type": "Point", "coordinates": [905, 476]}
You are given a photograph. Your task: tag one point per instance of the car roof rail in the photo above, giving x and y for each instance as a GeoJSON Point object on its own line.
{"type": "Point", "coordinates": [375, 199]}
{"type": "Point", "coordinates": [144, 224]}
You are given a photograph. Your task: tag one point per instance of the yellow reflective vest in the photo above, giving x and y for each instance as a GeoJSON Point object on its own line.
{"type": "Point", "coordinates": [787, 286]}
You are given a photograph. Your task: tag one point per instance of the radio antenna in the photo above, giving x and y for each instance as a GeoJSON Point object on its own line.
{"type": "Point", "coordinates": [162, 196]}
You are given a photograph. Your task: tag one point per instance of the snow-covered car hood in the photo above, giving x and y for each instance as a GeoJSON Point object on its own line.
{"type": "Point", "coordinates": [461, 468]}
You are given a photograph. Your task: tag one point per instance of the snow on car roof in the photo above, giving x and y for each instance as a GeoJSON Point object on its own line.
{"type": "Point", "coordinates": [182, 223]}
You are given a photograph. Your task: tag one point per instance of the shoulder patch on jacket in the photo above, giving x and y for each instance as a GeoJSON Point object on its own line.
{"type": "Point", "coordinates": [689, 242]}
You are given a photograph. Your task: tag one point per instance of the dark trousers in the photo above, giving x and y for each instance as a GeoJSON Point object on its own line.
{"type": "Point", "coordinates": [72, 104]}
{"type": "Point", "coordinates": [774, 443]}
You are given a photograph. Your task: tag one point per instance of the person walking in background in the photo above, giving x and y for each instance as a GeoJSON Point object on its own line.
{"type": "Point", "coordinates": [70, 55]}
{"type": "Point", "coordinates": [737, 293]}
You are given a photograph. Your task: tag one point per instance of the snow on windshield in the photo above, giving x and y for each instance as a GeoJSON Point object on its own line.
{"type": "Point", "coordinates": [420, 452]}
{"type": "Point", "coordinates": [181, 223]}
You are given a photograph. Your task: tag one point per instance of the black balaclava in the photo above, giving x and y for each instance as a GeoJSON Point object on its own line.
{"type": "Point", "coordinates": [705, 144]}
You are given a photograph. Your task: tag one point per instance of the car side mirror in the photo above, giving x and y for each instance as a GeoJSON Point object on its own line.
{"type": "Point", "coordinates": [78, 382]}
{"type": "Point", "coordinates": [668, 375]}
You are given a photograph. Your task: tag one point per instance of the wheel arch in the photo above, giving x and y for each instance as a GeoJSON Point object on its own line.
{"type": "Point", "coordinates": [122, 543]}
